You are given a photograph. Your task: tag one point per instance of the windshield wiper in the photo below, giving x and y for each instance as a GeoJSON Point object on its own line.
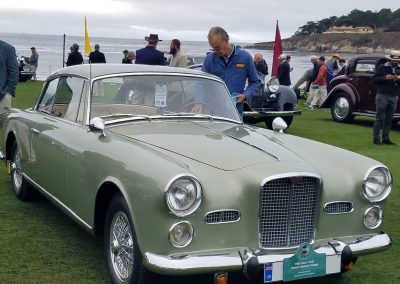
{"type": "Point", "coordinates": [119, 115]}
{"type": "Point", "coordinates": [190, 114]}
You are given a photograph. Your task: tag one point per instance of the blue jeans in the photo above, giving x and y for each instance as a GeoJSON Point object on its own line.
{"type": "Point", "coordinates": [385, 108]}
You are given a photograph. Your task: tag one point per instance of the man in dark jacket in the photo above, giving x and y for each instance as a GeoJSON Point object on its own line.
{"type": "Point", "coordinates": [284, 71]}
{"type": "Point", "coordinates": [96, 56]}
{"type": "Point", "coordinates": [8, 76]}
{"type": "Point", "coordinates": [387, 79]}
{"type": "Point", "coordinates": [150, 55]}
{"type": "Point", "coordinates": [261, 65]}
{"type": "Point", "coordinates": [75, 57]}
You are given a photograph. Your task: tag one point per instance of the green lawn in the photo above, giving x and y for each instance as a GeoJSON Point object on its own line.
{"type": "Point", "coordinates": [39, 244]}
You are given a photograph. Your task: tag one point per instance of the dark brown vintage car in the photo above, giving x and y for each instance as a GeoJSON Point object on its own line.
{"type": "Point", "coordinates": [354, 92]}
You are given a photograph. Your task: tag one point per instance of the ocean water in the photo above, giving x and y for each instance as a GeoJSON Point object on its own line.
{"type": "Point", "coordinates": [50, 49]}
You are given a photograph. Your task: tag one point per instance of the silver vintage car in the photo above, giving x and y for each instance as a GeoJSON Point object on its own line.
{"type": "Point", "coordinates": [157, 161]}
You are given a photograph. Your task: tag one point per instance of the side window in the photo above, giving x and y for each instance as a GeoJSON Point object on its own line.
{"type": "Point", "coordinates": [365, 66]}
{"type": "Point", "coordinates": [47, 100]}
{"type": "Point", "coordinates": [62, 98]}
{"type": "Point", "coordinates": [71, 90]}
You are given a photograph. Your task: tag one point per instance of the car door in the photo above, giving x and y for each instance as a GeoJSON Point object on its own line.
{"type": "Point", "coordinates": [362, 80]}
{"type": "Point", "coordinates": [53, 133]}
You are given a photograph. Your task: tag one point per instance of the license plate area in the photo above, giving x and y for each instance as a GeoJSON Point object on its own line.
{"type": "Point", "coordinates": [305, 263]}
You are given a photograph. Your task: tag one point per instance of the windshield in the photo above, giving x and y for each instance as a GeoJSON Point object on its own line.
{"type": "Point", "coordinates": [155, 95]}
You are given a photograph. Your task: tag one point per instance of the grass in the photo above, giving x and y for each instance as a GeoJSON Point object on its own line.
{"type": "Point", "coordinates": [39, 244]}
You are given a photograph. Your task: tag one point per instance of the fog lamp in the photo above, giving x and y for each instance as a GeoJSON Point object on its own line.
{"type": "Point", "coordinates": [373, 217]}
{"type": "Point", "coordinates": [181, 234]}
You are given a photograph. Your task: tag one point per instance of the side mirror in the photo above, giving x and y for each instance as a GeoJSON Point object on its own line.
{"type": "Point", "coordinates": [278, 124]}
{"type": "Point", "coordinates": [96, 124]}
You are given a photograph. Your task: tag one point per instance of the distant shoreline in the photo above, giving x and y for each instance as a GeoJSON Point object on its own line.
{"type": "Point", "coordinates": [342, 43]}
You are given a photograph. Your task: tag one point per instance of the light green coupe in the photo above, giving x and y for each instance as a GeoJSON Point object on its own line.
{"type": "Point", "coordinates": [157, 161]}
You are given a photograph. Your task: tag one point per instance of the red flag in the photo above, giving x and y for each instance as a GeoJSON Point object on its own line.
{"type": "Point", "coordinates": [277, 51]}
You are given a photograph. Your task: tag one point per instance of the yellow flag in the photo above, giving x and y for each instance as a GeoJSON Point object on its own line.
{"type": "Point", "coordinates": [88, 48]}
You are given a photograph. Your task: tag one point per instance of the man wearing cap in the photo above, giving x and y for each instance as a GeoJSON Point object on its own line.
{"type": "Point", "coordinates": [387, 80]}
{"type": "Point", "coordinates": [150, 55]}
{"type": "Point", "coordinates": [125, 59]}
{"type": "Point", "coordinates": [233, 65]}
{"type": "Point", "coordinates": [8, 76]}
{"type": "Point", "coordinates": [33, 62]}
{"type": "Point", "coordinates": [96, 56]}
{"type": "Point", "coordinates": [333, 67]}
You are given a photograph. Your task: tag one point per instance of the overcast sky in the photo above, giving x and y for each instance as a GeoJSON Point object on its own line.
{"type": "Point", "coordinates": [245, 21]}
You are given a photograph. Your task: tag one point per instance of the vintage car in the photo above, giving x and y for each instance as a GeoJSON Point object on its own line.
{"type": "Point", "coordinates": [273, 101]}
{"type": "Point", "coordinates": [354, 93]}
{"type": "Point", "coordinates": [24, 73]}
{"type": "Point", "coordinates": [123, 150]}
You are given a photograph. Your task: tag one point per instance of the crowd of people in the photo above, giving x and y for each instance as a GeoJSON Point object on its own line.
{"type": "Point", "coordinates": [148, 55]}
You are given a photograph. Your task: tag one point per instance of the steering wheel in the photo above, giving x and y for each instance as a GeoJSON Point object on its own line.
{"type": "Point", "coordinates": [189, 106]}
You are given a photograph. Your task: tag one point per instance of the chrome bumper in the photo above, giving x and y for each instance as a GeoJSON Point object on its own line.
{"type": "Point", "coordinates": [261, 113]}
{"type": "Point", "coordinates": [244, 258]}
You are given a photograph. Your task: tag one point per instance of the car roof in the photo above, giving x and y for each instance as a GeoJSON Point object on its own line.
{"type": "Point", "coordinates": [96, 70]}
{"type": "Point", "coordinates": [371, 55]}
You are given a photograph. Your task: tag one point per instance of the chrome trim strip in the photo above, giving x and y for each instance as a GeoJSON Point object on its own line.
{"type": "Point", "coordinates": [237, 260]}
{"type": "Point", "coordinates": [222, 210]}
{"type": "Point", "coordinates": [72, 213]}
{"type": "Point", "coordinates": [328, 203]}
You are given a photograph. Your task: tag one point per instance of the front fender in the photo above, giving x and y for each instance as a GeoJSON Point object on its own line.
{"type": "Point", "coordinates": [285, 95]}
{"type": "Point", "coordinates": [342, 88]}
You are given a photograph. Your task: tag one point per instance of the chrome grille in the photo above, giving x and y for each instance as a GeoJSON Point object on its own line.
{"type": "Point", "coordinates": [222, 216]}
{"type": "Point", "coordinates": [338, 207]}
{"type": "Point", "coordinates": [288, 208]}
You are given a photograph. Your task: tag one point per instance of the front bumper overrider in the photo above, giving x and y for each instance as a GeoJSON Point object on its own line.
{"type": "Point", "coordinates": [338, 254]}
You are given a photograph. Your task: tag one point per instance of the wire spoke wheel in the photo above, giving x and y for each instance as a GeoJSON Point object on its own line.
{"type": "Point", "coordinates": [17, 171]}
{"type": "Point", "coordinates": [121, 247]}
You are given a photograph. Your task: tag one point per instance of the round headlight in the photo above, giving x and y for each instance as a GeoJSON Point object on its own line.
{"type": "Point", "coordinates": [183, 195]}
{"type": "Point", "coordinates": [181, 234]}
{"type": "Point", "coordinates": [273, 84]}
{"type": "Point", "coordinates": [377, 184]}
{"type": "Point", "coordinates": [373, 217]}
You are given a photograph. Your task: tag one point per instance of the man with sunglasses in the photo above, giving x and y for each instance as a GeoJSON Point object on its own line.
{"type": "Point", "coordinates": [233, 65]}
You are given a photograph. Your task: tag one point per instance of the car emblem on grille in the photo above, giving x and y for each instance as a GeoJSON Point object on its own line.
{"type": "Point", "coordinates": [295, 180]}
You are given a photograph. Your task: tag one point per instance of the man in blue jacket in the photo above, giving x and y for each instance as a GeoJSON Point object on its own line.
{"type": "Point", "coordinates": [8, 76]}
{"type": "Point", "coordinates": [150, 55]}
{"type": "Point", "coordinates": [233, 65]}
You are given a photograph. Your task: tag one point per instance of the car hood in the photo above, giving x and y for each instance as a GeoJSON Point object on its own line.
{"type": "Point", "coordinates": [222, 145]}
